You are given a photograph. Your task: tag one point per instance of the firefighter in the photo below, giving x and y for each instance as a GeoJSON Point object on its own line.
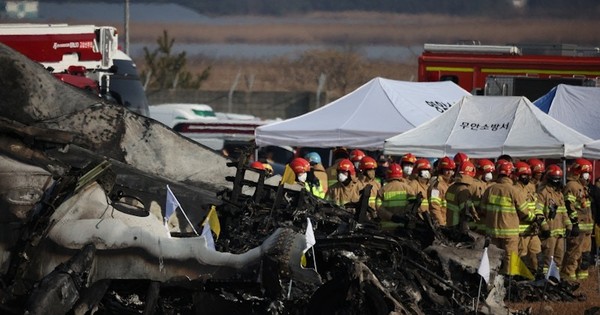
{"type": "Point", "coordinates": [367, 177]}
{"type": "Point", "coordinates": [530, 245]}
{"type": "Point", "coordinates": [420, 182]}
{"type": "Point", "coordinates": [394, 196]}
{"type": "Point", "coordinates": [485, 172]}
{"type": "Point", "coordinates": [436, 192]}
{"type": "Point", "coordinates": [317, 169]}
{"type": "Point", "coordinates": [338, 155]}
{"type": "Point", "coordinates": [577, 202]}
{"type": "Point", "coordinates": [408, 163]}
{"type": "Point", "coordinates": [355, 156]}
{"type": "Point", "coordinates": [459, 159]}
{"type": "Point", "coordinates": [552, 202]}
{"type": "Point", "coordinates": [504, 206]}
{"type": "Point", "coordinates": [537, 169]}
{"type": "Point", "coordinates": [463, 197]}
{"type": "Point", "coordinates": [346, 189]}
{"type": "Point", "coordinates": [301, 168]}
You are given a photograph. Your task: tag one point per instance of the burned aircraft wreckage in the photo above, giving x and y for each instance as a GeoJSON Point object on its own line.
{"type": "Point", "coordinates": [82, 197]}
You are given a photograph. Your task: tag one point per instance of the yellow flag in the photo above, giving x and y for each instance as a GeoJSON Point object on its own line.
{"type": "Point", "coordinates": [289, 177]}
{"type": "Point", "coordinates": [518, 268]}
{"type": "Point", "coordinates": [213, 221]}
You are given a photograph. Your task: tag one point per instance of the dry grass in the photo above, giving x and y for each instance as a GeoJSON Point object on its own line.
{"type": "Point", "coordinates": [365, 28]}
{"type": "Point", "coordinates": [354, 28]}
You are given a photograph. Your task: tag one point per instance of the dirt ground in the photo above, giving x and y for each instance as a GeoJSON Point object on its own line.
{"type": "Point", "coordinates": [589, 288]}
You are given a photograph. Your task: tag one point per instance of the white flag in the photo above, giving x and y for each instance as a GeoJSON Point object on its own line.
{"type": "Point", "coordinates": [484, 266]}
{"type": "Point", "coordinates": [310, 235]}
{"type": "Point", "coordinates": [553, 270]}
{"type": "Point", "coordinates": [172, 204]}
{"type": "Point", "coordinates": [210, 241]}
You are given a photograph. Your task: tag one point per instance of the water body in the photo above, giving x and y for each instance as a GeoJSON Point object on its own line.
{"type": "Point", "coordinates": [83, 13]}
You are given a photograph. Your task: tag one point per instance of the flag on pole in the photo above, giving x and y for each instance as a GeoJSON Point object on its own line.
{"type": "Point", "coordinates": [553, 270]}
{"type": "Point", "coordinates": [309, 236]}
{"type": "Point", "coordinates": [172, 204]}
{"type": "Point", "coordinates": [484, 266]}
{"type": "Point", "coordinates": [210, 241]}
{"type": "Point", "coordinates": [518, 268]}
{"type": "Point", "coordinates": [289, 177]}
{"type": "Point", "coordinates": [213, 221]}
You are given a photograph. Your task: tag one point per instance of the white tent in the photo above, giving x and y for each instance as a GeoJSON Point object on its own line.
{"type": "Point", "coordinates": [592, 150]}
{"type": "Point", "coordinates": [365, 117]}
{"type": "Point", "coordinates": [575, 106]}
{"type": "Point", "coordinates": [488, 126]}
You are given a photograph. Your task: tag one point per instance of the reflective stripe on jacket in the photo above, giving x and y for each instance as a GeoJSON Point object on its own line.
{"type": "Point", "coordinates": [504, 206]}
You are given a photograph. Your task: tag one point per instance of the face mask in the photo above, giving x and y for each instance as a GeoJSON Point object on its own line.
{"type": "Point", "coordinates": [370, 174]}
{"type": "Point", "coordinates": [554, 181]}
{"type": "Point", "coordinates": [407, 170]}
{"type": "Point", "coordinates": [488, 177]}
{"type": "Point", "coordinates": [585, 176]}
{"type": "Point", "coordinates": [302, 177]}
{"type": "Point", "coordinates": [524, 180]}
{"type": "Point", "coordinates": [357, 165]}
{"type": "Point", "coordinates": [342, 177]}
{"type": "Point", "coordinates": [425, 174]}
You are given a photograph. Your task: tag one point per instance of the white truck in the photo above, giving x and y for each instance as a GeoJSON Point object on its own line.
{"type": "Point", "coordinates": [85, 56]}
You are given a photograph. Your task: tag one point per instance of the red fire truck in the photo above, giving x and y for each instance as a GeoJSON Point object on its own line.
{"type": "Point", "coordinates": [528, 70]}
{"type": "Point", "coordinates": [85, 56]}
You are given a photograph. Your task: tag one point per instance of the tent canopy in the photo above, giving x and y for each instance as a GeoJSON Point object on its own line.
{"type": "Point", "coordinates": [574, 106]}
{"type": "Point", "coordinates": [488, 126]}
{"type": "Point", "coordinates": [592, 150]}
{"type": "Point", "coordinates": [365, 117]}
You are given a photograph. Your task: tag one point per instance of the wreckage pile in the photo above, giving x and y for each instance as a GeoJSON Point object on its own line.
{"type": "Point", "coordinates": [81, 197]}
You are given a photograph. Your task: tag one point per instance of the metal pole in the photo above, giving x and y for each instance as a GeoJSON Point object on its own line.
{"type": "Point", "coordinates": [126, 27]}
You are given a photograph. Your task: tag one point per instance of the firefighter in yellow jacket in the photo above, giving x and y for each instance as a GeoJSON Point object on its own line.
{"type": "Point", "coordinates": [366, 177]}
{"type": "Point", "coordinates": [552, 202]}
{"type": "Point", "coordinates": [504, 206]}
{"type": "Point", "coordinates": [530, 246]}
{"type": "Point", "coordinates": [318, 169]}
{"type": "Point", "coordinates": [346, 189]}
{"type": "Point", "coordinates": [436, 192]}
{"type": "Point", "coordinates": [420, 182]}
{"type": "Point", "coordinates": [301, 168]}
{"type": "Point", "coordinates": [463, 198]}
{"type": "Point", "coordinates": [394, 196]}
{"type": "Point", "coordinates": [579, 240]}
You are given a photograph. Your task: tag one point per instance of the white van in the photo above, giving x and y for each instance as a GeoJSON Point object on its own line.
{"type": "Point", "coordinates": [172, 114]}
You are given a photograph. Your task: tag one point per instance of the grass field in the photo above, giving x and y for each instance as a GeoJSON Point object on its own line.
{"type": "Point", "coordinates": [353, 28]}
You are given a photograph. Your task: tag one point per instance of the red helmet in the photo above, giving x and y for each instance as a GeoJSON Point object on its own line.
{"type": "Point", "coordinates": [356, 155]}
{"type": "Point", "coordinates": [394, 171]}
{"type": "Point", "coordinates": [460, 158]}
{"type": "Point", "coordinates": [504, 168]}
{"type": "Point", "coordinates": [409, 158]}
{"type": "Point", "coordinates": [486, 166]}
{"type": "Point", "coordinates": [537, 166]}
{"type": "Point", "coordinates": [581, 166]}
{"type": "Point", "coordinates": [500, 162]}
{"type": "Point", "coordinates": [368, 163]}
{"type": "Point", "coordinates": [522, 168]}
{"type": "Point", "coordinates": [422, 164]}
{"type": "Point", "coordinates": [554, 171]}
{"type": "Point", "coordinates": [346, 165]}
{"type": "Point", "coordinates": [257, 165]}
{"type": "Point", "coordinates": [467, 168]}
{"type": "Point", "coordinates": [300, 165]}
{"type": "Point", "coordinates": [446, 163]}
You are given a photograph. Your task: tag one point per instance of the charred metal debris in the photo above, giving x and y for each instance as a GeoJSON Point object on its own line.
{"type": "Point", "coordinates": [355, 267]}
